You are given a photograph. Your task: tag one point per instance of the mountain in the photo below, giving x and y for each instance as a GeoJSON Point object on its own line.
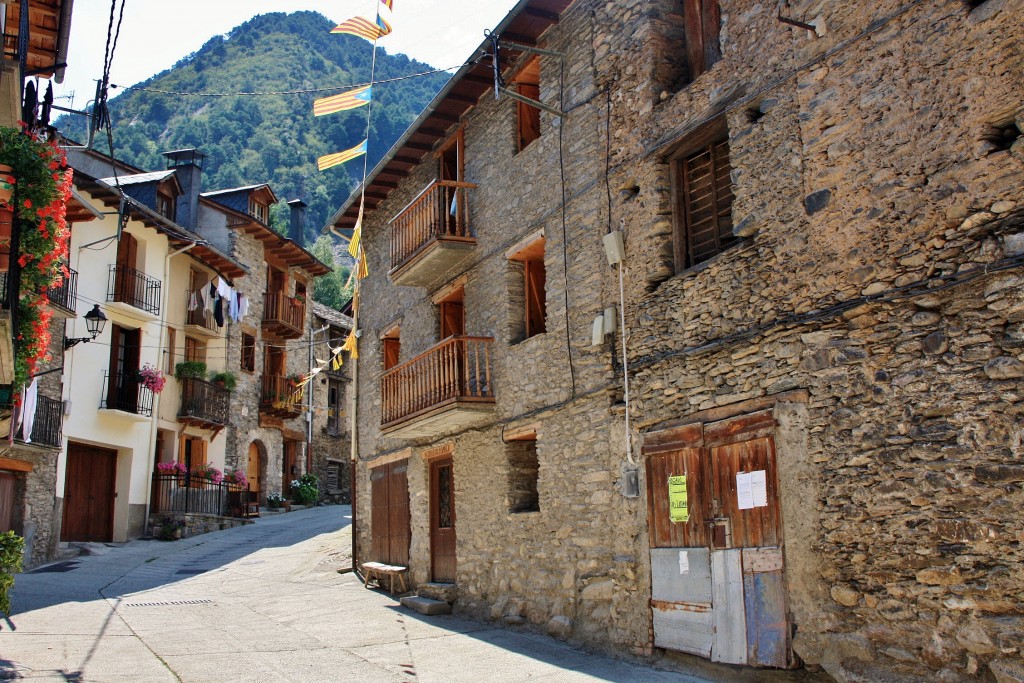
{"type": "Point", "coordinates": [271, 138]}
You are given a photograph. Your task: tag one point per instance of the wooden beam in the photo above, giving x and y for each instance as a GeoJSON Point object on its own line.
{"type": "Point", "coordinates": [433, 132]}
{"type": "Point", "coordinates": [441, 116]}
{"type": "Point", "coordinates": [468, 99]}
{"type": "Point", "coordinates": [418, 146]}
{"type": "Point", "coordinates": [541, 14]}
{"type": "Point", "coordinates": [15, 465]}
{"type": "Point", "coordinates": [396, 172]}
{"type": "Point", "coordinates": [412, 161]}
{"type": "Point", "coordinates": [518, 38]}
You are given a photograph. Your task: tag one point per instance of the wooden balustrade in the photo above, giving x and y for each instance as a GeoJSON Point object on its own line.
{"type": "Point", "coordinates": [440, 211]}
{"type": "Point", "coordinates": [457, 369]}
{"type": "Point", "coordinates": [283, 315]}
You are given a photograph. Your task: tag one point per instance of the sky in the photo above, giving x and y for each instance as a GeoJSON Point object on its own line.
{"type": "Point", "coordinates": [155, 35]}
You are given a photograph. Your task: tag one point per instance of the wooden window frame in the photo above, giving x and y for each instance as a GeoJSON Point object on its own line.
{"type": "Point", "coordinates": [247, 361]}
{"type": "Point", "coordinates": [259, 211]}
{"type": "Point", "coordinates": [195, 349]}
{"type": "Point", "coordinates": [527, 83]}
{"type": "Point", "coordinates": [713, 141]}
{"type": "Point", "coordinates": [702, 23]}
{"type": "Point", "coordinates": [457, 140]}
{"type": "Point", "coordinates": [535, 307]}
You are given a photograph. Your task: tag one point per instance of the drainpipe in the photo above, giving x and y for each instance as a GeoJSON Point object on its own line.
{"type": "Point", "coordinates": [354, 435]}
{"type": "Point", "coordinates": [151, 460]}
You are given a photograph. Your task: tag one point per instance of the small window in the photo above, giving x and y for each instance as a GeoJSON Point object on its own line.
{"type": "Point", "coordinates": [527, 84]}
{"type": "Point", "coordinates": [703, 207]}
{"type": "Point", "coordinates": [702, 20]}
{"type": "Point", "coordinates": [391, 345]}
{"type": "Point", "coordinates": [335, 411]}
{"type": "Point", "coordinates": [195, 350]}
{"type": "Point", "coordinates": [534, 307]}
{"type": "Point", "coordinates": [334, 477]}
{"type": "Point", "coordinates": [523, 472]}
{"type": "Point", "coordinates": [165, 205]}
{"type": "Point", "coordinates": [258, 211]}
{"type": "Point", "coordinates": [248, 353]}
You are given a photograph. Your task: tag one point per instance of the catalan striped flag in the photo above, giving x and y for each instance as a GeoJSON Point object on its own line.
{"type": "Point", "coordinates": [364, 28]}
{"type": "Point", "coordinates": [350, 99]}
{"type": "Point", "coordinates": [329, 160]}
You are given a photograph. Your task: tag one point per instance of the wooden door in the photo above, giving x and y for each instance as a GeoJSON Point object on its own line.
{"type": "Point", "coordinates": [390, 528]}
{"type": "Point", "coordinates": [289, 471]}
{"type": "Point", "coordinates": [392, 349]}
{"type": "Point", "coordinates": [123, 383]}
{"type": "Point", "coordinates": [442, 521]}
{"type": "Point", "coordinates": [124, 279]}
{"type": "Point", "coordinates": [7, 481]}
{"type": "Point", "coordinates": [453, 319]}
{"type": "Point", "coordinates": [252, 470]}
{"type": "Point", "coordinates": [89, 490]}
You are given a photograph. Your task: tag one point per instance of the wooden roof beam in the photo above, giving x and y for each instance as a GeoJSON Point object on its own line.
{"type": "Point", "coordinates": [539, 13]}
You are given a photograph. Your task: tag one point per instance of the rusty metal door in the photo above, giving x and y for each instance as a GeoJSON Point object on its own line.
{"type": "Point", "coordinates": [717, 575]}
{"type": "Point", "coordinates": [389, 513]}
{"type": "Point", "coordinates": [442, 521]}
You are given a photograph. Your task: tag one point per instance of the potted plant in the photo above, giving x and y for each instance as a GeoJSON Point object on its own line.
{"type": "Point", "coordinates": [275, 500]}
{"type": "Point", "coordinates": [12, 547]}
{"type": "Point", "coordinates": [152, 378]}
{"type": "Point", "coordinates": [42, 186]}
{"type": "Point", "coordinates": [171, 529]}
{"type": "Point", "coordinates": [236, 478]}
{"type": "Point", "coordinates": [224, 379]}
{"type": "Point", "coordinates": [190, 369]}
{"type": "Point", "coordinates": [306, 489]}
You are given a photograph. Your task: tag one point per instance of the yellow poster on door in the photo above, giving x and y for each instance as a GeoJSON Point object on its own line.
{"type": "Point", "coordinates": [678, 506]}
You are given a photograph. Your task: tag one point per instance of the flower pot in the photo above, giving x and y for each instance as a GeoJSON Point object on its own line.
{"type": "Point", "coordinates": [7, 183]}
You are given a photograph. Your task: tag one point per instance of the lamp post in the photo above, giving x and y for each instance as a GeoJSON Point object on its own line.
{"type": "Point", "coordinates": [94, 322]}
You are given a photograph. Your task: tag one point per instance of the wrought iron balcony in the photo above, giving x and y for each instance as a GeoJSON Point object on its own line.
{"type": "Point", "coordinates": [125, 391]}
{"type": "Point", "coordinates": [204, 404]}
{"type": "Point", "coordinates": [448, 386]}
{"type": "Point", "coordinates": [65, 295]}
{"type": "Point", "coordinates": [283, 315]}
{"type": "Point", "coordinates": [432, 234]}
{"type": "Point", "coordinates": [135, 288]}
{"type": "Point", "coordinates": [280, 397]}
{"type": "Point", "coordinates": [47, 423]}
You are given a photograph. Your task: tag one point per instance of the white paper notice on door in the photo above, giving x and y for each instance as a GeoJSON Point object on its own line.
{"type": "Point", "coordinates": [759, 488]}
{"type": "Point", "coordinates": [744, 495]}
{"type": "Point", "coordinates": [684, 562]}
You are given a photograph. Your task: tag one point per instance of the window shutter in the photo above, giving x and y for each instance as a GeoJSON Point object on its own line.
{"type": "Point", "coordinates": [707, 201]}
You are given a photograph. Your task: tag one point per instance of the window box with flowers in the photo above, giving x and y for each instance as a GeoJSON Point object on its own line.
{"type": "Point", "coordinates": [236, 478]}
{"type": "Point", "coordinates": [41, 186]}
{"type": "Point", "coordinates": [152, 378]}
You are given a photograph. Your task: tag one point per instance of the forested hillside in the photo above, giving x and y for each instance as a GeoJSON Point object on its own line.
{"type": "Point", "coordinates": [269, 137]}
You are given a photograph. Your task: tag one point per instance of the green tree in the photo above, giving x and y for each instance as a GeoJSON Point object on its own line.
{"type": "Point", "coordinates": [333, 289]}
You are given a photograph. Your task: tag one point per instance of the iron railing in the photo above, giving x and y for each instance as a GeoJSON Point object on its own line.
{"type": "Point", "coordinates": [204, 401]}
{"type": "Point", "coordinates": [133, 287]}
{"type": "Point", "coordinates": [457, 369]}
{"type": "Point", "coordinates": [65, 294]}
{"type": "Point", "coordinates": [46, 430]}
{"type": "Point", "coordinates": [125, 391]}
{"type": "Point", "coordinates": [440, 211]}
{"type": "Point", "coordinates": [188, 493]}
{"type": "Point", "coordinates": [199, 316]}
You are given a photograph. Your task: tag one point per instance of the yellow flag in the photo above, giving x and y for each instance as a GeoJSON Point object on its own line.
{"type": "Point", "coordinates": [353, 244]}
{"type": "Point", "coordinates": [337, 361]}
{"type": "Point", "coordinates": [351, 345]}
{"type": "Point", "coordinates": [361, 270]}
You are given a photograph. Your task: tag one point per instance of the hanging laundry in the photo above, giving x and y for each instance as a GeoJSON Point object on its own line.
{"type": "Point", "coordinates": [233, 307]}
{"type": "Point", "coordinates": [218, 312]}
{"type": "Point", "coordinates": [205, 293]}
{"type": "Point", "coordinates": [223, 289]}
{"type": "Point", "coordinates": [243, 306]}
{"type": "Point", "coordinates": [193, 301]}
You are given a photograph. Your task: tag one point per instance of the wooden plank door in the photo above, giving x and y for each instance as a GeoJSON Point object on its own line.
{"type": "Point", "coordinates": [289, 471]}
{"type": "Point", "coordinates": [252, 469]}
{"type": "Point", "coordinates": [89, 488]}
{"type": "Point", "coordinates": [442, 521]}
{"type": "Point", "coordinates": [7, 481]}
{"type": "Point", "coordinates": [390, 528]}
{"type": "Point", "coordinates": [125, 284]}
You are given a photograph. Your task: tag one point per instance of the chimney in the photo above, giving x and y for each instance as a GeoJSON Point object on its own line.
{"type": "Point", "coordinates": [188, 167]}
{"type": "Point", "coordinates": [297, 224]}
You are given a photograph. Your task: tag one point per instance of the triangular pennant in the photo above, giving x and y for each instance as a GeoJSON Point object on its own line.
{"type": "Point", "coordinates": [329, 160]}
{"type": "Point", "coordinates": [349, 99]}
{"type": "Point", "coordinates": [350, 345]}
{"type": "Point", "coordinates": [361, 269]}
{"type": "Point", "coordinates": [357, 233]}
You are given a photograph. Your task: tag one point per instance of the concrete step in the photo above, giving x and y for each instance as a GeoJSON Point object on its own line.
{"type": "Point", "coordinates": [427, 606]}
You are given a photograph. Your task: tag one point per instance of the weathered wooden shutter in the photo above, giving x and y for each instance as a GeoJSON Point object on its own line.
{"type": "Point", "coordinates": [707, 202]}
{"type": "Point", "coordinates": [392, 349]}
{"type": "Point", "coordinates": [702, 20]}
{"type": "Point", "coordinates": [453, 319]}
{"type": "Point", "coordinates": [535, 301]}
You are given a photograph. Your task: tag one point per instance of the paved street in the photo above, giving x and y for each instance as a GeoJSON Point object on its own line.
{"type": "Point", "coordinates": [261, 603]}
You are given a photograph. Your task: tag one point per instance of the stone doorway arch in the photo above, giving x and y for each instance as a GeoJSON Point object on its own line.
{"type": "Point", "coordinates": [256, 469]}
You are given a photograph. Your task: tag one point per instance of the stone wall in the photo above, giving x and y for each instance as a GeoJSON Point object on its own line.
{"type": "Point", "coordinates": [879, 277]}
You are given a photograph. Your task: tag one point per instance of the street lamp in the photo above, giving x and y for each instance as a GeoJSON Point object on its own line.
{"type": "Point", "coordinates": [94, 322]}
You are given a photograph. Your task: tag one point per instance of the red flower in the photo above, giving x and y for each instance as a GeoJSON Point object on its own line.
{"type": "Point", "coordinates": [28, 203]}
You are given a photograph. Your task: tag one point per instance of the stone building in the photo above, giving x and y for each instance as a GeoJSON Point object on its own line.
{"type": "Point", "coordinates": [330, 450]}
{"type": "Point", "coordinates": [804, 224]}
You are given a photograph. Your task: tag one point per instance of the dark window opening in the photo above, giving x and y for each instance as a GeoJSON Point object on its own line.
{"type": "Point", "coordinates": [527, 84]}
{"type": "Point", "coordinates": [534, 298]}
{"type": "Point", "coordinates": [248, 353]}
{"type": "Point", "coordinates": [523, 473]}
{"type": "Point", "coordinates": [703, 202]}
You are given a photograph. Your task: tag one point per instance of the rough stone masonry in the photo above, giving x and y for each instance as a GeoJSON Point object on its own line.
{"type": "Point", "coordinates": [874, 302]}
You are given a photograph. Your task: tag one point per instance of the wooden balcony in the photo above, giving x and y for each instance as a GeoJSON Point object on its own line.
{"type": "Point", "coordinates": [448, 387]}
{"type": "Point", "coordinates": [431, 236]}
{"type": "Point", "coordinates": [279, 398]}
{"type": "Point", "coordinates": [204, 405]}
{"type": "Point", "coordinates": [283, 316]}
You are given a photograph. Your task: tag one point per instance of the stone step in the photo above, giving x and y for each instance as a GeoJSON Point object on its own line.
{"type": "Point", "coordinates": [427, 606]}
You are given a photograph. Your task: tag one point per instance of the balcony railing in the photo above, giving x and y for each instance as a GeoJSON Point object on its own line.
{"type": "Point", "coordinates": [65, 294]}
{"type": "Point", "coordinates": [185, 493]}
{"type": "Point", "coordinates": [456, 370]}
{"type": "Point", "coordinates": [199, 316]}
{"type": "Point", "coordinates": [135, 288]}
{"type": "Point", "coordinates": [46, 427]}
{"type": "Point", "coordinates": [439, 212]}
{"type": "Point", "coordinates": [279, 396]}
{"type": "Point", "coordinates": [204, 404]}
{"type": "Point", "coordinates": [125, 391]}
{"type": "Point", "coordinates": [283, 315]}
